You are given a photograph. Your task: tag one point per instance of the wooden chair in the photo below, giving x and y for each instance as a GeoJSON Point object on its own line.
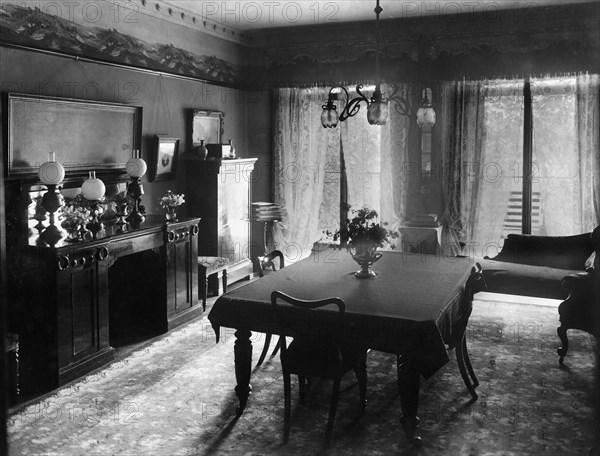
{"type": "Point", "coordinates": [475, 283]}
{"type": "Point", "coordinates": [316, 351]}
{"type": "Point", "coordinates": [212, 269]}
{"type": "Point", "coordinates": [262, 264]}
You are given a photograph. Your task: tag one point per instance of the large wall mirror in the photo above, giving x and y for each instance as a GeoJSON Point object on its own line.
{"type": "Point", "coordinates": [84, 135]}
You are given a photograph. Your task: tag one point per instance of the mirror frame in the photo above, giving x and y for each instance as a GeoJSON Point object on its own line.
{"type": "Point", "coordinates": [208, 126]}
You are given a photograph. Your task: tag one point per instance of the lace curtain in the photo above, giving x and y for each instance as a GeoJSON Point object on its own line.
{"type": "Point", "coordinates": [482, 154]}
{"type": "Point", "coordinates": [588, 136]}
{"type": "Point", "coordinates": [377, 166]}
{"type": "Point", "coordinates": [300, 148]}
{"type": "Point", "coordinates": [307, 164]}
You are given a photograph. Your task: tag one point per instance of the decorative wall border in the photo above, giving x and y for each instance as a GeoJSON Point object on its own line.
{"type": "Point", "coordinates": [34, 28]}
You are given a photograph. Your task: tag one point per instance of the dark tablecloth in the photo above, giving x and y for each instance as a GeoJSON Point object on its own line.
{"type": "Point", "coordinates": [413, 306]}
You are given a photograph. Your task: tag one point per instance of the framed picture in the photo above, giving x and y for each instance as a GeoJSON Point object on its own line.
{"type": "Point", "coordinates": [85, 135]}
{"type": "Point", "coordinates": [165, 157]}
{"type": "Point", "coordinates": [207, 126]}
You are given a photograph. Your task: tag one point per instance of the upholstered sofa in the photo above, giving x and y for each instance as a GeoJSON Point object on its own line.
{"type": "Point", "coordinates": [559, 267]}
{"type": "Point", "coordinates": [531, 265]}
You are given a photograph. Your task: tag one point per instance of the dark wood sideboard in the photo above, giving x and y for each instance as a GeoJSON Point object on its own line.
{"type": "Point", "coordinates": [220, 192]}
{"type": "Point", "coordinates": [76, 299]}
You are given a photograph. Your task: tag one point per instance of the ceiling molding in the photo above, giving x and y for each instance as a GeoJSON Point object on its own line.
{"type": "Point", "coordinates": [173, 12]}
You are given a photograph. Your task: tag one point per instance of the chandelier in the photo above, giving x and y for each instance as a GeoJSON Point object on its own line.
{"type": "Point", "coordinates": [377, 105]}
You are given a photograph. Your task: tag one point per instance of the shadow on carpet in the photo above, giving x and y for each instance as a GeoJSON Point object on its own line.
{"type": "Point", "coordinates": [175, 397]}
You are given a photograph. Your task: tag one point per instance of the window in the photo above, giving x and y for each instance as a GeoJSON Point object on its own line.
{"type": "Point", "coordinates": [529, 162]}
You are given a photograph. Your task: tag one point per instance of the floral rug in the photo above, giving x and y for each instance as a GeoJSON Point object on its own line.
{"type": "Point", "coordinates": [175, 397]}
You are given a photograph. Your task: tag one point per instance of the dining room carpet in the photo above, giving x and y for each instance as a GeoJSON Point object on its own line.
{"type": "Point", "coordinates": [175, 396]}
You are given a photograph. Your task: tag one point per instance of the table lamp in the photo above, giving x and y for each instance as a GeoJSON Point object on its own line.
{"type": "Point", "coordinates": [93, 190]}
{"type": "Point", "coordinates": [51, 173]}
{"type": "Point", "coordinates": [136, 167]}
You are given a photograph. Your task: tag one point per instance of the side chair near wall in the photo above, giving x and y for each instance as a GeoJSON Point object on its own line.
{"type": "Point", "coordinates": [316, 351]}
{"type": "Point", "coordinates": [263, 263]}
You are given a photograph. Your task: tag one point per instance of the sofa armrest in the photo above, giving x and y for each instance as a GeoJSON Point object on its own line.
{"type": "Point", "coordinates": [576, 281]}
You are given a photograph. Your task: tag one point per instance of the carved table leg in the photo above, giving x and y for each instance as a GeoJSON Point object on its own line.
{"type": "Point", "coordinates": [408, 386]}
{"type": "Point", "coordinates": [562, 350]}
{"type": "Point", "coordinates": [243, 367]}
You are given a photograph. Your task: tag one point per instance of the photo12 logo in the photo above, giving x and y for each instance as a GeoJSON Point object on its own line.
{"type": "Point", "coordinates": [282, 13]}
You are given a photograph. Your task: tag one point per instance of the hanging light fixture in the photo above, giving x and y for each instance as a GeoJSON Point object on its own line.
{"type": "Point", "coordinates": [377, 105]}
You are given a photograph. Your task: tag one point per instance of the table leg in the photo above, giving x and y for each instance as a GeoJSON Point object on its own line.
{"type": "Point", "coordinates": [408, 384]}
{"type": "Point", "coordinates": [242, 350]}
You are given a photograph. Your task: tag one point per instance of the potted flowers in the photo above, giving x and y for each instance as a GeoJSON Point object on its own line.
{"type": "Point", "coordinates": [74, 220]}
{"type": "Point", "coordinates": [170, 201]}
{"type": "Point", "coordinates": [362, 236]}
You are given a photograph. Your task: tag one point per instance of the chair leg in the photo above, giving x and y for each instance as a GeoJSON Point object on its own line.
{"type": "Point", "coordinates": [205, 297]}
{"type": "Point", "coordinates": [202, 286]}
{"type": "Point", "coordinates": [468, 363]}
{"type": "Point", "coordinates": [562, 350]}
{"type": "Point", "coordinates": [361, 375]}
{"type": "Point", "coordinates": [463, 370]}
{"type": "Point", "coordinates": [287, 413]}
{"type": "Point", "coordinates": [277, 347]}
{"type": "Point", "coordinates": [264, 350]}
{"type": "Point", "coordinates": [302, 388]}
{"type": "Point", "coordinates": [398, 371]}
{"type": "Point", "coordinates": [335, 395]}
{"type": "Point", "coordinates": [224, 281]}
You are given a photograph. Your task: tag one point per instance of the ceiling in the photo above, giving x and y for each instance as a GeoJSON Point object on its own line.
{"type": "Point", "coordinates": [258, 14]}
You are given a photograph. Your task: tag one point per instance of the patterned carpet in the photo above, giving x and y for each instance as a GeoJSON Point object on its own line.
{"type": "Point", "coordinates": [175, 397]}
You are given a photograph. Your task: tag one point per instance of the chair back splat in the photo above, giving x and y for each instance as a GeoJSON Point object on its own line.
{"type": "Point", "coordinates": [317, 350]}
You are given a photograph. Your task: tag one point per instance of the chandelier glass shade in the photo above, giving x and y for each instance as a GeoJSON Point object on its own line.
{"type": "Point", "coordinates": [378, 104]}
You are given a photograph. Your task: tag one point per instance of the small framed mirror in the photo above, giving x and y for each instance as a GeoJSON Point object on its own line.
{"type": "Point", "coordinates": [207, 126]}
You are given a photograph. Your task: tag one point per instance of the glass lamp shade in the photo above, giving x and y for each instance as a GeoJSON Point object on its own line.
{"type": "Point", "coordinates": [93, 188]}
{"type": "Point", "coordinates": [377, 112]}
{"type": "Point", "coordinates": [136, 167]}
{"type": "Point", "coordinates": [329, 116]}
{"type": "Point", "coordinates": [426, 116]}
{"type": "Point", "coordinates": [51, 172]}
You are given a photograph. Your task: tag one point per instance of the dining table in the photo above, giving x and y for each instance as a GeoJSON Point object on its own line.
{"type": "Point", "coordinates": [415, 307]}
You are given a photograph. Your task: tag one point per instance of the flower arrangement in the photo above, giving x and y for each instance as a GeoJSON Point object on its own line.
{"type": "Point", "coordinates": [171, 200]}
{"type": "Point", "coordinates": [122, 198]}
{"type": "Point", "coordinates": [365, 229]}
{"type": "Point", "coordinates": [74, 216]}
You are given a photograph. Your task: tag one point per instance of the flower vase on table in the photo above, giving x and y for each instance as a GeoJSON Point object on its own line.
{"type": "Point", "coordinates": [171, 214]}
{"type": "Point", "coordinates": [365, 254]}
{"type": "Point", "coordinates": [170, 202]}
{"type": "Point", "coordinates": [363, 235]}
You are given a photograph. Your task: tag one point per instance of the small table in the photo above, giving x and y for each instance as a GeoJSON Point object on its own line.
{"type": "Point", "coordinates": [402, 310]}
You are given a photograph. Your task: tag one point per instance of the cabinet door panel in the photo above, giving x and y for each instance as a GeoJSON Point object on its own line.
{"type": "Point", "coordinates": [83, 287]}
{"type": "Point", "coordinates": [179, 285]}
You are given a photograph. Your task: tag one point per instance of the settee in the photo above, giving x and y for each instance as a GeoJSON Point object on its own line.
{"type": "Point", "coordinates": [531, 265]}
{"type": "Point", "coordinates": [558, 267]}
